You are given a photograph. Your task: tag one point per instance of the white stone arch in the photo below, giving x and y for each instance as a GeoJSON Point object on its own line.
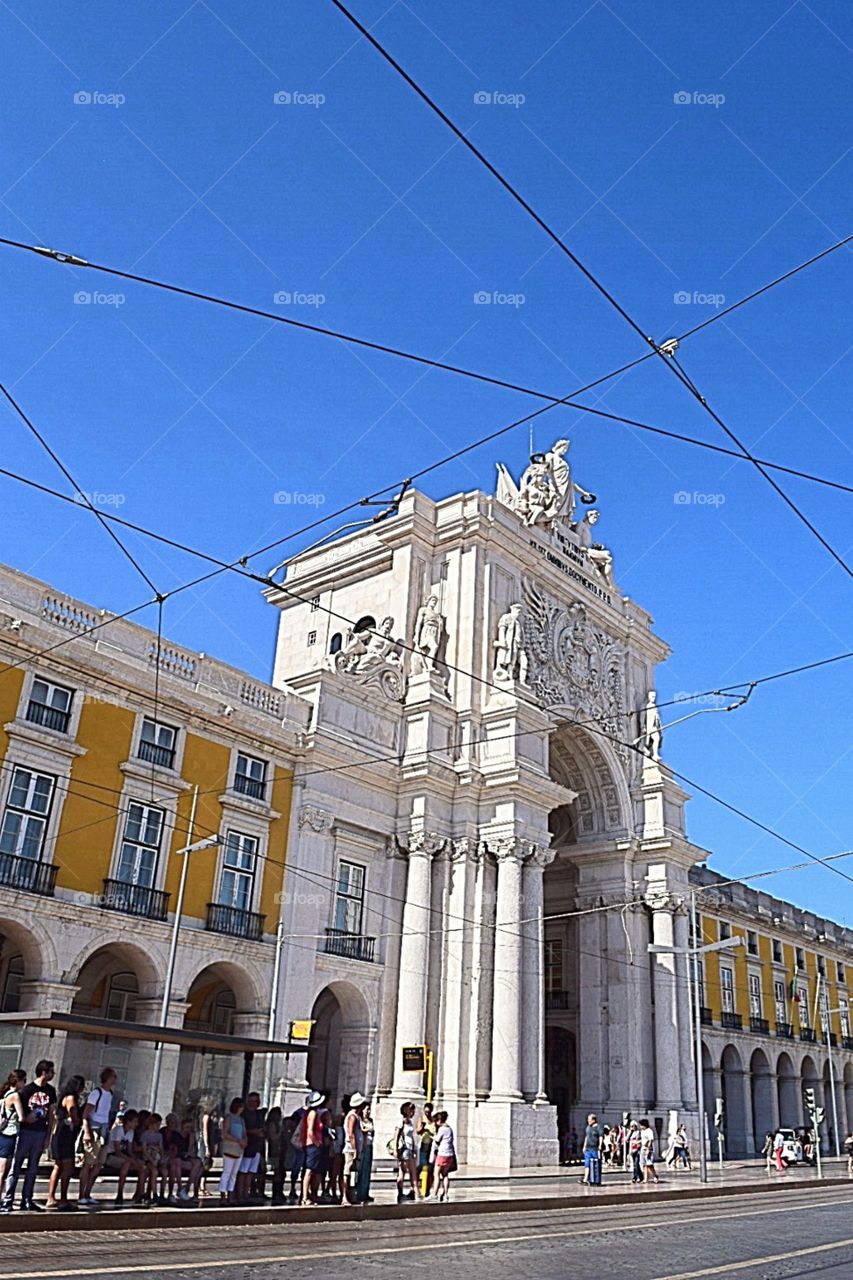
{"type": "Point", "coordinates": [737, 1123]}
{"type": "Point", "coordinates": [250, 994]}
{"type": "Point", "coordinates": [762, 1087]}
{"type": "Point", "coordinates": [103, 956]}
{"type": "Point", "coordinates": [847, 1112]}
{"type": "Point", "coordinates": [588, 764]}
{"type": "Point", "coordinates": [786, 1082]}
{"type": "Point", "coordinates": [341, 1039]}
{"type": "Point", "coordinates": [31, 939]}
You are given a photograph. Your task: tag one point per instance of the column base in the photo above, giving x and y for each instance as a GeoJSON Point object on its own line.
{"type": "Point", "coordinates": [509, 1134]}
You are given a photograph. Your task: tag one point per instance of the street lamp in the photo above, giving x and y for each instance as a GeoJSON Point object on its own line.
{"type": "Point", "coordinates": [724, 944]}
{"type": "Point", "coordinates": [208, 842]}
{"type": "Point", "coordinates": [827, 1013]}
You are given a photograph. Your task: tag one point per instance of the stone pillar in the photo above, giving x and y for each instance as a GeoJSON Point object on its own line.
{"type": "Point", "coordinates": [533, 978]}
{"type": "Point", "coordinates": [749, 1132]}
{"type": "Point", "coordinates": [140, 1066]}
{"type": "Point", "coordinates": [667, 1050]}
{"type": "Point", "coordinates": [414, 957]}
{"type": "Point", "coordinates": [456, 989]}
{"type": "Point", "coordinates": [509, 958]}
{"type": "Point", "coordinates": [37, 1042]}
{"type": "Point", "coordinates": [684, 995]}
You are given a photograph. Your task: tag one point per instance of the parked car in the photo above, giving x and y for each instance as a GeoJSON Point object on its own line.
{"type": "Point", "coordinates": [792, 1148]}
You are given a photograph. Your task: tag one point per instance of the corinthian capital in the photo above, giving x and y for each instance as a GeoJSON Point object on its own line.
{"type": "Point", "coordinates": [511, 849]}
{"type": "Point", "coordinates": [424, 844]}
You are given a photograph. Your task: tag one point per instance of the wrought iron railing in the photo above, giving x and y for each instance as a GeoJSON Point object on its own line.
{"type": "Point", "coordinates": [785, 1030]}
{"type": "Point", "coordinates": [352, 946]}
{"type": "Point", "coordinates": [235, 922]}
{"type": "Point", "coordinates": [48, 717]}
{"type": "Point", "coordinates": [28, 874]}
{"type": "Point", "coordinates": [760, 1026]}
{"type": "Point", "coordinates": [732, 1021]}
{"type": "Point", "coordinates": [254, 787]}
{"type": "Point", "coordinates": [135, 899]}
{"type": "Point", "coordinates": [152, 753]}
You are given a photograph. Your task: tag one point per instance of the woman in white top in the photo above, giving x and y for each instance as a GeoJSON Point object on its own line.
{"type": "Point", "coordinates": [11, 1118]}
{"type": "Point", "coordinates": [443, 1155]}
{"type": "Point", "coordinates": [405, 1150]}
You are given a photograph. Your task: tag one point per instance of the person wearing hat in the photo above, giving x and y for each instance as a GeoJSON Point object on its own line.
{"type": "Point", "coordinates": [314, 1145]}
{"type": "Point", "coordinates": [353, 1141]}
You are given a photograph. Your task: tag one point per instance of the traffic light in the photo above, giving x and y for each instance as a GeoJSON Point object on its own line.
{"type": "Point", "coordinates": [719, 1114]}
{"type": "Point", "coordinates": [811, 1100]}
{"type": "Point", "coordinates": [626, 1119]}
{"type": "Point", "coordinates": [819, 1114]}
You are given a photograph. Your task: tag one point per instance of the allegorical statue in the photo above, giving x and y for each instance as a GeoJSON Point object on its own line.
{"type": "Point", "coordinates": [510, 656]}
{"type": "Point", "coordinates": [651, 738]}
{"type": "Point", "coordinates": [546, 491]}
{"type": "Point", "coordinates": [426, 640]}
{"type": "Point", "coordinates": [596, 552]}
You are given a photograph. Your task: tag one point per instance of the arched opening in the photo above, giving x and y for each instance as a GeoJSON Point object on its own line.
{"type": "Point", "coordinates": [735, 1103]}
{"type": "Point", "coordinates": [213, 1005]}
{"type": "Point", "coordinates": [786, 1083]}
{"type": "Point", "coordinates": [110, 981]}
{"type": "Point", "coordinates": [847, 1113]}
{"type": "Point", "coordinates": [561, 1073]}
{"type": "Point", "coordinates": [828, 1127]}
{"type": "Point", "coordinates": [336, 642]}
{"type": "Point", "coordinates": [710, 1086]}
{"type": "Point", "coordinates": [340, 1041]}
{"type": "Point", "coordinates": [810, 1080]}
{"type": "Point", "coordinates": [762, 1090]}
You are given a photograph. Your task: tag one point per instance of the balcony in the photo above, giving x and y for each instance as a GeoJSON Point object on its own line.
{"type": "Point", "coordinates": [847, 1043]}
{"type": "Point", "coordinates": [135, 900]}
{"type": "Point", "coordinates": [732, 1021]}
{"type": "Point", "coordinates": [151, 753]}
{"type": "Point", "coordinates": [706, 1017]}
{"type": "Point", "coordinates": [235, 922]}
{"type": "Point", "coordinates": [808, 1034]}
{"type": "Point", "coordinates": [556, 999]}
{"type": "Point", "coordinates": [352, 946]}
{"type": "Point", "coordinates": [27, 874]}
{"type": "Point", "coordinates": [785, 1030]}
{"type": "Point", "coordinates": [833, 1039]}
{"type": "Point", "coordinates": [760, 1026]}
{"type": "Point", "coordinates": [48, 717]}
{"type": "Point", "coordinates": [256, 788]}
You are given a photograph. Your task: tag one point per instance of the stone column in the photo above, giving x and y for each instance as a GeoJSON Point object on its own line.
{"type": "Point", "coordinates": [509, 959]}
{"type": "Point", "coordinates": [45, 996]}
{"type": "Point", "coordinates": [414, 956]}
{"type": "Point", "coordinates": [667, 1051]}
{"type": "Point", "coordinates": [456, 993]}
{"type": "Point", "coordinates": [684, 993]}
{"type": "Point", "coordinates": [533, 982]}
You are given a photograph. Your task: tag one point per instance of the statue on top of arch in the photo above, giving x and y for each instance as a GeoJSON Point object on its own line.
{"type": "Point", "coordinates": [546, 491]}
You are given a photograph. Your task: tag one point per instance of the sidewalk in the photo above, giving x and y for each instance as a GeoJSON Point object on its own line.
{"type": "Point", "coordinates": [475, 1191]}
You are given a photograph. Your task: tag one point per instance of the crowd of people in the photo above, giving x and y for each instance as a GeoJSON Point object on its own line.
{"type": "Point", "coordinates": [630, 1145]}
{"type": "Point", "coordinates": [319, 1154]}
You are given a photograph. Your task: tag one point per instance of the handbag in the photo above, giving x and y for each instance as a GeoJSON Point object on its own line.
{"type": "Point", "coordinates": [231, 1148]}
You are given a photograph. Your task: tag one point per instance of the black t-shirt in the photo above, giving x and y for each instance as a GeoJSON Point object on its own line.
{"type": "Point", "coordinates": [255, 1135]}
{"type": "Point", "coordinates": [37, 1099]}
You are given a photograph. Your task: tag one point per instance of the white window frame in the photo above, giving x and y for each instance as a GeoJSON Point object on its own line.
{"type": "Point", "coordinates": [49, 701]}
{"type": "Point", "coordinates": [232, 835]}
{"type": "Point", "coordinates": [803, 1010]}
{"type": "Point", "coordinates": [129, 803]}
{"type": "Point", "coordinates": [779, 985]}
{"type": "Point", "coordinates": [258, 774]}
{"type": "Point", "coordinates": [339, 896]}
{"type": "Point", "coordinates": [27, 813]}
{"type": "Point", "coordinates": [844, 1018]}
{"type": "Point", "coordinates": [727, 989]}
{"type": "Point", "coordinates": [160, 728]}
{"type": "Point", "coordinates": [754, 982]}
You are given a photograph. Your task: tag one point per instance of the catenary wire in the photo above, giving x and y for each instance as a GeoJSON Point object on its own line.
{"type": "Point", "coordinates": [52, 454]}
{"type": "Point", "coordinates": [668, 360]}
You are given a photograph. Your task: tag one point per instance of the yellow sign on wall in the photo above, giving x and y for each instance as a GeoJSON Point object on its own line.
{"type": "Point", "coordinates": [301, 1030]}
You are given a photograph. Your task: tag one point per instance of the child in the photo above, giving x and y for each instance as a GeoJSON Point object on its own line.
{"type": "Point", "coordinates": [152, 1153]}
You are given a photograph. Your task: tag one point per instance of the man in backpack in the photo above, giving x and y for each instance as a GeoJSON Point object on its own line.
{"type": "Point", "coordinates": [592, 1152]}
{"type": "Point", "coordinates": [96, 1132]}
{"type": "Point", "coordinates": [38, 1100]}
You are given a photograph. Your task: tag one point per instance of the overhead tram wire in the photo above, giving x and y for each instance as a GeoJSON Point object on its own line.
{"type": "Point", "coordinates": [597, 284]}
{"type": "Point", "coordinates": [80, 492]}
{"type": "Point", "coordinates": [73, 260]}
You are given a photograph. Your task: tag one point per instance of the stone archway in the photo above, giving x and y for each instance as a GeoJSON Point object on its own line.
{"type": "Point", "coordinates": [340, 1041]}
{"type": "Point", "coordinates": [738, 1125]}
{"type": "Point", "coordinates": [214, 998]}
{"type": "Point", "coordinates": [789, 1101]}
{"type": "Point", "coordinates": [561, 1083]}
{"type": "Point", "coordinates": [763, 1096]}
{"type": "Point", "coordinates": [847, 1114]}
{"type": "Point", "coordinates": [810, 1080]}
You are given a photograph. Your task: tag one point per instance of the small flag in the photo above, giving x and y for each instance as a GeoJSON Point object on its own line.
{"type": "Point", "coordinates": [795, 994]}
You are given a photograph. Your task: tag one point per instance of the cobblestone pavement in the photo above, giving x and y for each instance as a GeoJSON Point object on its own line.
{"type": "Point", "coordinates": [802, 1233]}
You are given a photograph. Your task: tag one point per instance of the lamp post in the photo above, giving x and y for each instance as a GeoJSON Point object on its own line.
{"type": "Point", "coordinates": [208, 842]}
{"type": "Point", "coordinates": [724, 944]}
{"type": "Point", "coordinates": [827, 1013]}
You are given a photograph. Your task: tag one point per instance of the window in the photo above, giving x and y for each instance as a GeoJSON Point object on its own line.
{"type": "Point", "coordinates": [842, 974]}
{"type": "Point", "coordinates": [222, 1010]}
{"type": "Point", "coordinates": [312, 638]}
{"type": "Point", "coordinates": [844, 1016]}
{"type": "Point", "coordinates": [777, 951]}
{"type": "Point", "coordinates": [553, 966]}
{"type": "Point", "coordinates": [349, 898]}
{"type": "Point", "coordinates": [250, 777]}
{"type": "Point", "coordinates": [802, 1001]}
{"type": "Point", "coordinates": [238, 871]}
{"type": "Point", "coordinates": [751, 942]}
{"type": "Point", "coordinates": [315, 604]}
{"type": "Point", "coordinates": [27, 809]}
{"type": "Point", "coordinates": [727, 985]}
{"type": "Point", "coordinates": [725, 930]}
{"type": "Point", "coordinates": [12, 985]}
{"type": "Point", "coordinates": [50, 705]}
{"type": "Point", "coordinates": [698, 975]}
{"type": "Point", "coordinates": [780, 995]}
{"type": "Point", "coordinates": [140, 845]}
{"type": "Point", "coordinates": [801, 959]}
{"type": "Point", "coordinates": [122, 994]}
{"type": "Point", "coordinates": [336, 642]}
{"type": "Point", "coordinates": [157, 743]}
{"type": "Point", "coordinates": [821, 966]}
{"type": "Point", "coordinates": [755, 995]}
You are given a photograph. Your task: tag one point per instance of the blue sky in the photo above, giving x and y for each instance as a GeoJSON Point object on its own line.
{"type": "Point", "coordinates": [352, 198]}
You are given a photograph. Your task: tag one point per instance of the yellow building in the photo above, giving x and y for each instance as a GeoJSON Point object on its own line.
{"type": "Point", "coordinates": [775, 1013]}
{"type": "Point", "coordinates": [115, 754]}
